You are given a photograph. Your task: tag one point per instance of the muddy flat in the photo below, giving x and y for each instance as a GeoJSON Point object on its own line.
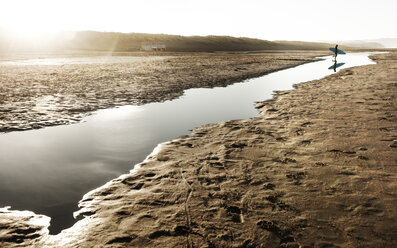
{"type": "Point", "coordinates": [316, 169]}
{"type": "Point", "coordinates": [37, 91]}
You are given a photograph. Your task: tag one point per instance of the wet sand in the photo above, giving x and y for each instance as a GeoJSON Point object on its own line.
{"type": "Point", "coordinates": [59, 89]}
{"type": "Point", "coordinates": [316, 169]}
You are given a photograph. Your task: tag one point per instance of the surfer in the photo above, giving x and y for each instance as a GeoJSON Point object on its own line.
{"type": "Point", "coordinates": [336, 51]}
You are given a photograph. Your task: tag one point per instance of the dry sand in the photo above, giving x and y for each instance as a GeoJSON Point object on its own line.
{"type": "Point", "coordinates": [316, 169]}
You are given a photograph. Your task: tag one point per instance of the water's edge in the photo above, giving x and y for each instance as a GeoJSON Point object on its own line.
{"type": "Point", "coordinates": [157, 149]}
{"type": "Point", "coordinates": [83, 114]}
{"type": "Point", "coordinates": [152, 156]}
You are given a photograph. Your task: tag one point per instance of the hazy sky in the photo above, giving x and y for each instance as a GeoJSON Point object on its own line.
{"type": "Point", "coordinates": [267, 19]}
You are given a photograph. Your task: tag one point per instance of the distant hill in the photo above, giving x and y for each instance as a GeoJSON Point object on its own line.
{"type": "Point", "coordinates": [303, 45]}
{"type": "Point", "coordinates": [362, 44]}
{"type": "Point", "coordinates": [375, 43]}
{"type": "Point", "coordinates": [387, 42]}
{"type": "Point", "coordinates": [109, 41]}
{"type": "Point", "coordinates": [134, 41]}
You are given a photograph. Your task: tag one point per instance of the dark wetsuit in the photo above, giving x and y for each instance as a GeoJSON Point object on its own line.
{"type": "Point", "coordinates": [336, 51]}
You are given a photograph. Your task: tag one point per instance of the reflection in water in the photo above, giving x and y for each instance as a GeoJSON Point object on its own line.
{"type": "Point", "coordinates": [49, 170]}
{"type": "Point", "coordinates": [336, 65]}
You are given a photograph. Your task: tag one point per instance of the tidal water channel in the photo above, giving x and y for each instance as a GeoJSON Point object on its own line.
{"type": "Point", "coordinates": [49, 170]}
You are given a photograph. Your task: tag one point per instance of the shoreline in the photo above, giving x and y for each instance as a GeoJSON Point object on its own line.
{"type": "Point", "coordinates": [54, 228]}
{"type": "Point", "coordinates": [199, 205]}
{"type": "Point", "coordinates": [66, 93]}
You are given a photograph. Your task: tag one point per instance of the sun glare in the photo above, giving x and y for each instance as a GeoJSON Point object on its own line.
{"type": "Point", "coordinates": [270, 20]}
{"type": "Point", "coordinates": [29, 19]}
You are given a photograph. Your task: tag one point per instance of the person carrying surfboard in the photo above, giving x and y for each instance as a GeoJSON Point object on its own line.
{"type": "Point", "coordinates": [336, 50]}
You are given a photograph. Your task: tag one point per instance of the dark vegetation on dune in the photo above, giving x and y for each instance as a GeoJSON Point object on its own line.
{"type": "Point", "coordinates": [109, 41]}
{"type": "Point", "coordinates": [133, 41]}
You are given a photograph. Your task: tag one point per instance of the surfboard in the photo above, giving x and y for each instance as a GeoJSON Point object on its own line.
{"type": "Point", "coordinates": [332, 67]}
{"type": "Point", "coordinates": [339, 51]}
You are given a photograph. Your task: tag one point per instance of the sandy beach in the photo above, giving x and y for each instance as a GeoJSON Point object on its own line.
{"type": "Point", "coordinates": [316, 169]}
